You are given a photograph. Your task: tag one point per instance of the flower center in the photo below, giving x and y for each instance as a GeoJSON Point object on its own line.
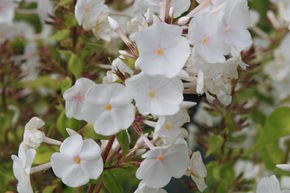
{"type": "Point", "coordinates": [227, 29]}
{"type": "Point", "coordinates": [160, 158]}
{"type": "Point", "coordinates": [108, 107]}
{"type": "Point", "coordinates": [25, 174]}
{"type": "Point", "coordinates": [204, 40]}
{"type": "Point", "coordinates": [167, 126]}
{"type": "Point", "coordinates": [79, 97]}
{"type": "Point", "coordinates": [159, 51]}
{"type": "Point", "coordinates": [152, 93]}
{"type": "Point", "coordinates": [77, 160]}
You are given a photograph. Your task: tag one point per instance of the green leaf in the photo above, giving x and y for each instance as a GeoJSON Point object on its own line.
{"type": "Point", "coordinates": [49, 189]}
{"type": "Point", "coordinates": [43, 81]}
{"type": "Point", "coordinates": [61, 35]}
{"type": "Point", "coordinates": [271, 154]}
{"type": "Point", "coordinates": [277, 125]}
{"type": "Point", "coordinates": [67, 83]}
{"type": "Point", "coordinates": [75, 65]}
{"type": "Point", "coordinates": [64, 4]}
{"type": "Point", "coordinates": [123, 140]}
{"type": "Point", "coordinates": [111, 183]}
{"type": "Point", "coordinates": [215, 143]}
{"type": "Point", "coordinates": [63, 122]}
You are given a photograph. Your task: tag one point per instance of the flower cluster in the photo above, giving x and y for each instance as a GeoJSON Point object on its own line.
{"type": "Point", "coordinates": [167, 56]}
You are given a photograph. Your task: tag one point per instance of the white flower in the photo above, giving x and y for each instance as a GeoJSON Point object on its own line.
{"type": "Point", "coordinates": [7, 9]}
{"type": "Point", "coordinates": [217, 77]}
{"type": "Point", "coordinates": [236, 20]}
{"type": "Point", "coordinates": [44, 8]}
{"type": "Point", "coordinates": [21, 168]}
{"type": "Point", "coordinates": [163, 163]}
{"type": "Point", "coordinates": [170, 127]}
{"type": "Point", "coordinates": [270, 185]}
{"type": "Point", "coordinates": [117, 65]}
{"type": "Point", "coordinates": [89, 12]}
{"type": "Point", "coordinates": [180, 6]}
{"type": "Point", "coordinates": [78, 161]}
{"type": "Point", "coordinates": [75, 96]}
{"type": "Point", "coordinates": [142, 188]}
{"type": "Point", "coordinates": [247, 168]}
{"type": "Point", "coordinates": [109, 108]}
{"type": "Point", "coordinates": [162, 50]}
{"type": "Point", "coordinates": [285, 167]}
{"type": "Point", "coordinates": [157, 95]}
{"type": "Point", "coordinates": [33, 136]}
{"type": "Point", "coordinates": [205, 34]}
{"type": "Point", "coordinates": [198, 171]}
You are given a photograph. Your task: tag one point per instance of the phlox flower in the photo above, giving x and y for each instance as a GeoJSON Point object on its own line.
{"type": "Point", "coordinates": [162, 50]}
{"type": "Point", "coordinates": [74, 97]}
{"type": "Point", "coordinates": [236, 20]}
{"type": "Point", "coordinates": [21, 168]}
{"type": "Point", "coordinates": [78, 161]}
{"type": "Point", "coordinates": [108, 107]}
{"type": "Point", "coordinates": [142, 188]}
{"type": "Point", "coordinates": [162, 163]}
{"type": "Point", "coordinates": [170, 127]}
{"type": "Point", "coordinates": [33, 136]}
{"type": "Point", "coordinates": [7, 9]}
{"type": "Point", "coordinates": [90, 12]}
{"type": "Point", "coordinates": [205, 34]}
{"type": "Point", "coordinates": [157, 95]}
{"type": "Point", "coordinates": [270, 185]}
{"type": "Point", "coordinates": [180, 6]}
{"type": "Point", "coordinates": [198, 171]}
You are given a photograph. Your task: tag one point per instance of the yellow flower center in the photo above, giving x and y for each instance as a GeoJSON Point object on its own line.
{"type": "Point", "coordinates": [227, 29]}
{"type": "Point", "coordinates": [152, 93]}
{"type": "Point", "coordinates": [108, 107]}
{"type": "Point", "coordinates": [77, 160]}
{"type": "Point", "coordinates": [167, 126]}
{"type": "Point", "coordinates": [160, 158]}
{"type": "Point", "coordinates": [204, 40]}
{"type": "Point", "coordinates": [159, 51]}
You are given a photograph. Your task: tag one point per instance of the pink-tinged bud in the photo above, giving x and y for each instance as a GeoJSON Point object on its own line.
{"type": "Point", "coordinates": [183, 20]}
{"type": "Point", "coordinates": [149, 17]}
{"type": "Point", "coordinates": [171, 12]}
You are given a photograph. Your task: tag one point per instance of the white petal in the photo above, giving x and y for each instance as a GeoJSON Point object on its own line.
{"type": "Point", "coordinates": [269, 185]}
{"type": "Point", "coordinates": [94, 168]}
{"type": "Point", "coordinates": [61, 163]}
{"type": "Point", "coordinates": [75, 176]}
{"type": "Point", "coordinates": [90, 150]}
{"type": "Point", "coordinates": [72, 145]}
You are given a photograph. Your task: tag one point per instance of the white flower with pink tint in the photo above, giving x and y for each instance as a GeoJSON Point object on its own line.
{"type": "Point", "coordinates": [75, 96]}
{"type": "Point", "coordinates": [163, 163]}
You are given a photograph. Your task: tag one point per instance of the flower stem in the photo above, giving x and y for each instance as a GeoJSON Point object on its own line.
{"type": "Point", "coordinates": [108, 148]}
{"type": "Point", "coordinates": [40, 168]}
{"type": "Point", "coordinates": [51, 141]}
{"type": "Point", "coordinates": [144, 138]}
{"type": "Point", "coordinates": [100, 185]}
